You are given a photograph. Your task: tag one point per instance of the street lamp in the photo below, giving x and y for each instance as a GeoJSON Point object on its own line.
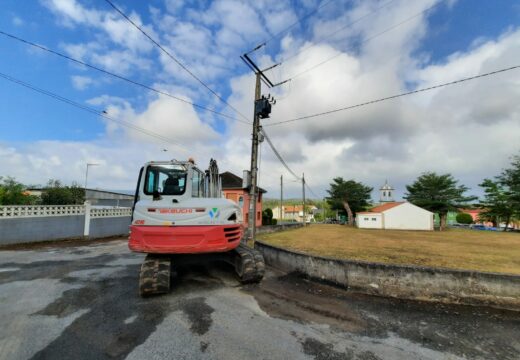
{"type": "Point", "coordinates": [86, 177]}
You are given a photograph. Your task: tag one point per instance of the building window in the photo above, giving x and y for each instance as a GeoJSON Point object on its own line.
{"type": "Point", "coordinates": [374, 219]}
{"type": "Point", "coordinates": [365, 219]}
{"type": "Point", "coordinates": [258, 215]}
{"type": "Point", "coordinates": [247, 218]}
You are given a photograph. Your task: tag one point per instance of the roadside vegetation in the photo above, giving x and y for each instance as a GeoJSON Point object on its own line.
{"type": "Point", "coordinates": [454, 248]}
{"type": "Point", "coordinates": [13, 192]}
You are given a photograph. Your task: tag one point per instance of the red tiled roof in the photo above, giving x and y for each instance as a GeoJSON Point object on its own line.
{"type": "Point", "coordinates": [295, 208]}
{"type": "Point", "coordinates": [382, 208]}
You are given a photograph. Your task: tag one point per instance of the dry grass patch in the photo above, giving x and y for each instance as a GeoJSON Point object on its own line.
{"type": "Point", "coordinates": [456, 248]}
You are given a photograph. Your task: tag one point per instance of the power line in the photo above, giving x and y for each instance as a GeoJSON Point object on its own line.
{"type": "Point", "coordinates": [365, 41]}
{"type": "Point", "coordinates": [292, 25]}
{"type": "Point", "coordinates": [91, 110]}
{"type": "Point", "coordinates": [174, 59]}
{"type": "Point", "coordinates": [310, 190]}
{"type": "Point", "coordinates": [305, 48]}
{"type": "Point", "coordinates": [279, 156]}
{"type": "Point", "coordinates": [282, 161]}
{"type": "Point", "coordinates": [27, 42]}
{"type": "Point", "coordinates": [395, 96]}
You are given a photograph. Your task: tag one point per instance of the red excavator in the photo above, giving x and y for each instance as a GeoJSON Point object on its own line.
{"type": "Point", "coordinates": [179, 216]}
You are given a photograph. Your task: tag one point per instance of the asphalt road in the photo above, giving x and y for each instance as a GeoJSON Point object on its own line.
{"type": "Point", "coordinates": [81, 302]}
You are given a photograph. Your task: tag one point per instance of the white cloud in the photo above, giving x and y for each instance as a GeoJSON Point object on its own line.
{"type": "Point", "coordinates": [469, 129]}
{"type": "Point", "coordinates": [72, 13]}
{"type": "Point", "coordinates": [81, 82]}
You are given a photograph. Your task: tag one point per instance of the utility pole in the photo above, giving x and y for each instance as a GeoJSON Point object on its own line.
{"type": "Point", "coordinates": [254, 163]}
{"type": "Point", "coordinates": [262, 111]}
{"type": "Point", "coordinates": [281, 198]}
{"type": "Point", "coordinates": [303, 196]}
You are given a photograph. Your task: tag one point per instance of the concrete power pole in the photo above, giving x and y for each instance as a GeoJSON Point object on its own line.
{"type": "Point", "coordinates": [262, 111]}
{"type": "Point", "coordinates": [254, 164]}
{"type": "Point", "coordinates": [303, 196]}
{"type": "Point", "coordinates": [281, 198]}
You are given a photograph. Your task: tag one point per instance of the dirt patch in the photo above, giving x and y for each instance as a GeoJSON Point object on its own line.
{"type": "Point", "coordinates": [199, 314]}
{"type": "Point", "coordinates": [296, 298]}
{"type": "Point", "coordinates": [467, 331]}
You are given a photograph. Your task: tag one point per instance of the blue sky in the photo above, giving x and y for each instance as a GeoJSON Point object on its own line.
{"type": "Point", "coordinates": [453, 40]}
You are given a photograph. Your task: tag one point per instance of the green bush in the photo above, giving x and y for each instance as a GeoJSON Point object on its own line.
{"type": "Point", "coordinates": [267, 217]}
{"type": "Point", "coordinates": [464, 218]}
{"type": "Point", "coordinates": [274, 221]}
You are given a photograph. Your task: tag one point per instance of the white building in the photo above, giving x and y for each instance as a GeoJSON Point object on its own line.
{"type": "Point", "coordinates": [295, 212]}
{"type": "Point", "coordinates": [396, 216]}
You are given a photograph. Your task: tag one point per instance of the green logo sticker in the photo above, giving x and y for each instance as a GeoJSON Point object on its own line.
{"type": "Point", "coordinates": [214, 213]}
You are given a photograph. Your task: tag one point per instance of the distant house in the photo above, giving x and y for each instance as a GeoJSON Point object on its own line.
{"type": "Point", "coordinates": [295, 212]}
{"type": "Point", "coordinates": [233, 190]}
{"type": "Point", "coordinates": [396, 216]}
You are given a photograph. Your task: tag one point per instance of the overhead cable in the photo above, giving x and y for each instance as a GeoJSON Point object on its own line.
{"type": "Point", "coordinates": [91, 110]}
{"type": "Point", "coordinates": [184, 67]}
{"type": "Point", "coordinates": [395, 96]}
{"type": "Point", "coordinates": [310, 190]}
{"type": "Point", "coordinates": [282, 161]}
{"type": "Point", "coordinates": [279, 156]}
{"type": "Point", "coordinates": [133, 82]}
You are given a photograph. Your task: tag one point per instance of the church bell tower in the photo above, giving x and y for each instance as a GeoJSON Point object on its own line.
{"type": "Point", "coordinates": [386, 193]}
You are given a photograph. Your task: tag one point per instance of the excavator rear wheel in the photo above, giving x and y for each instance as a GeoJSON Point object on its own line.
{"type": "Point", "coordinates": [155, 273]}
{"type": "Point", "coordinates": [249, 264]}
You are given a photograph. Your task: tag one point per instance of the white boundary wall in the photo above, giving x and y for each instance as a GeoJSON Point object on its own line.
{"type": "Point", "coordinates": [24, 224]}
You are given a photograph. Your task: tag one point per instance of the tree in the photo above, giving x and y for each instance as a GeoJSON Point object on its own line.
{"type": "Point", "coordinates": [438, 193]}
{"type": "Point", "coordinates": [502, 197]}
{"type": "Point", "coordinates": [496, 205]}
{"type": "Point", "coordinates": [510, 180]}
{"type": "Point", "coordinates": [350, 196]}
{"type": "Point", "coordinates": [57, 194]}
{"type": "Point", "coordinates": [267, 217]}
{"type": "Point", "coordinates": [14, 193]}
{"type": "Point", "coordinates": [464, 218]}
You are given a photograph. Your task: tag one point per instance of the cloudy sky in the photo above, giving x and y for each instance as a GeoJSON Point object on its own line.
{"type": "Point", "coordinates": [343, 53]}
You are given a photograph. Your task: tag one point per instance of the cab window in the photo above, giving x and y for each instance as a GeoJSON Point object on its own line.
{"type": "Point", "coordinates": [197, 184]}
{"type": "Point", "coordinates": [167, 179]}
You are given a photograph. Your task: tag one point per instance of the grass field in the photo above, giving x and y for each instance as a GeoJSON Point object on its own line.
{"type": "Point", "coordinates": [455, 248]}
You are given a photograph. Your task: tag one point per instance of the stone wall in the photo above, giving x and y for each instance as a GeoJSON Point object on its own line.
{"type": "Point", "coordinates": [408, 282]}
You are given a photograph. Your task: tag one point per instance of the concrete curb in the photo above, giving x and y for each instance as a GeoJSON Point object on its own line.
{"type": "Point", "coordinates": [401, 281]}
